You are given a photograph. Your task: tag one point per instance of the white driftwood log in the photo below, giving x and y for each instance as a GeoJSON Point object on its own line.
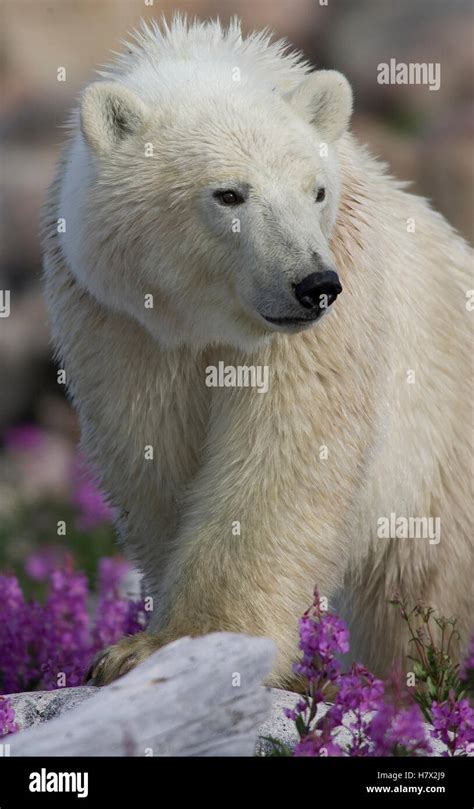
{"type": "Point", "coordinates": [194, 697]}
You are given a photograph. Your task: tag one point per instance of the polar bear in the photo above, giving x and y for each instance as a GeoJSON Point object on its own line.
{"type": "Point", "coordinates": [212, 213]}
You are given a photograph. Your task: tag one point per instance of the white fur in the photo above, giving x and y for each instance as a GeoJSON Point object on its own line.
{"type": "Point", "coordinates": [141, 225]}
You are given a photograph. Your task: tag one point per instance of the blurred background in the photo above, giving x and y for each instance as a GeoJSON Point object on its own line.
{"type": "Point", "coordinates": [424, 135]}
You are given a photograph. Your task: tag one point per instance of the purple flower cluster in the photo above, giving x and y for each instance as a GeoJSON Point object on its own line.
{"type": "Point", "coordinates": [23, 437]}
{"type": "Point", "coordinates": [29, 444]}
{"type": "Point", "coordinates": [360, 704]}
{"type": "Point", "coordinates": [7, 717]}
{"type": "Point", "coordinates": [322, 637]}
{"type": "Point", "coordinates": [453, 723]}
{"type": "Point", "coordinates": [18, 634]}
{"type": "Point", "coordinates": [87, 498]}
{"type": "Point", "coordinates": [358, 693]}
{"type": "Point", "coordinates": [51, 645]}
{"type": "Point", "coordinates": [64, 650]}
{"type": "Point", "coordinates": [398, 727]}
{"type": "Point", "coordinates": [40, 564]}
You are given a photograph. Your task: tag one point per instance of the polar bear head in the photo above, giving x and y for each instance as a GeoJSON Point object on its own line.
{"type": "Point", "coordinates": [204, 209]}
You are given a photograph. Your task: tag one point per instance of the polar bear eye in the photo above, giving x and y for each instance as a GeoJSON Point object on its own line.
{"type": "Point", "coordinates": [229, 197]}
{"type": "Point", "coordinates": [320, 196]}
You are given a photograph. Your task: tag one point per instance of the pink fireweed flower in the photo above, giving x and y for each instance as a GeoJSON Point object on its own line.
{"type": "Point", "coordinates": [23, 437]}
{"type": "Point", "coordinates": [40, 564]}
{"type": "Point", "coordinates": [51, 646]}
{"type": "Point", "coordinates": [453, 724]}
{"type": "Point", "coordinates": [359, 693]}
{"type": "Point", "coordinates": [322, 637]}
{"type": "Point", "coordinates": [361, 721]}
{"type": "Point", "coordinates": [317, 745]}
{"type": "Point", "coordinates": [89, 501]}
{"type": "Point", "coordinates": [404, 727]}
{"type": "Point", "coordinates": [300, 709]}
{"type": "Point", "coordinates": [7, 717]}
{"type": "Point", "coordinates": [64, 650]}
{"type": "Point", "coordinates": [18, 634]}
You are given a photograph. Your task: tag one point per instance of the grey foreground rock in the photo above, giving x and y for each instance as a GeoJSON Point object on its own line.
{"type": "Point", "coordinates": [194, 697]}
{"type": "Point", "coordinates": [34, 707]}
{"type": "Point", "coordinates": [277, 726]}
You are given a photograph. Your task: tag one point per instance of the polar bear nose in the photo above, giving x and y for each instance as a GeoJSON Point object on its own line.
{"type": "Point", "coordinates": [318, 290]}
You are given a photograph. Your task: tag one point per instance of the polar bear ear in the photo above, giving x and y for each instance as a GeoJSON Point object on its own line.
{"type": "Point", "coordinates": [324, 99]}
{"type": "Point", "coordinates": [110, 113]}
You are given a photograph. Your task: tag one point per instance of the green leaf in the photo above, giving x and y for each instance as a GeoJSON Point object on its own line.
{"type": "Point", "coordinates": [280, 749]}
{"type": "Point", "coordinates": [432, 688]}
{"type": "Point", "coordinates": [419, 670]}
{"type": "Point", "coordinates": [300, 725]}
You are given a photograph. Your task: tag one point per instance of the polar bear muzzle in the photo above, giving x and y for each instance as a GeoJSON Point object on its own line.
{"type": "Point", "coordinates": [318, 290]}
{"type": "Point", "coordinates": [314, 294]}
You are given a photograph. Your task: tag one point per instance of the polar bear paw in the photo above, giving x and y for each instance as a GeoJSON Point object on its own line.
{"type": "Point", "coordinates": [113, 662]}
